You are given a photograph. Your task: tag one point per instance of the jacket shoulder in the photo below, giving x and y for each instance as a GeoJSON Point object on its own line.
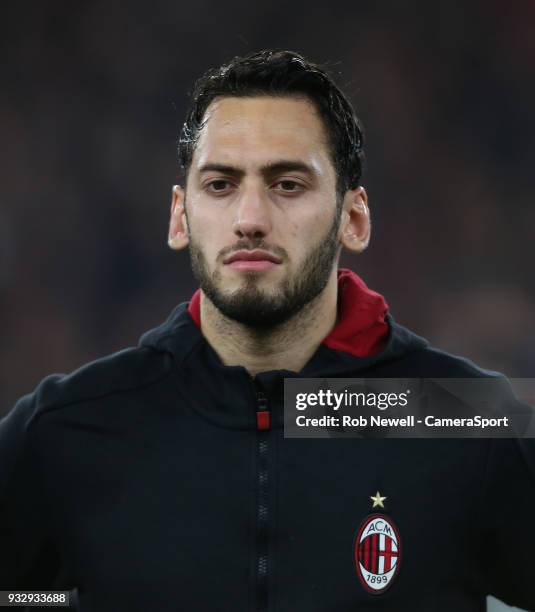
{"type": "Point", "coordinates": [128, 369]}
{"type": "Point", "coordinates": [408, 354]}
{"type": "Point", "coordinates": [433, 362]}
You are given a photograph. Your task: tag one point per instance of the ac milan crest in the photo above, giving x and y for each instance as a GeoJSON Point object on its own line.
{"type": "Point", "coordinates": [377, 553]}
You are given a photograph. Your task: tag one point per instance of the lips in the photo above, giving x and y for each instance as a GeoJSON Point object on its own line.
{"type": "Point", "coordinates": [256, 260]}
{"type": "Point", "coordinates": [256, 255]}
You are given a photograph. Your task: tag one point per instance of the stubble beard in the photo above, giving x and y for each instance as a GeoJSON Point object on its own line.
{"type": "Point", "coordinates": [264, 309]}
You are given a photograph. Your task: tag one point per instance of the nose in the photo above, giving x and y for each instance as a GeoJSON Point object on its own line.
{"type": "Point", "coordinates": [253, 219]}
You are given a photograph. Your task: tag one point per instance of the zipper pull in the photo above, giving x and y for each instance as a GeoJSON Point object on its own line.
{"type": "Point", "coordinates": [262, 413]}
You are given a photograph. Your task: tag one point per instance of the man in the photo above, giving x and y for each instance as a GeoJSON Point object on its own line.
{"type": "Point", "coordinates": [159, 478]}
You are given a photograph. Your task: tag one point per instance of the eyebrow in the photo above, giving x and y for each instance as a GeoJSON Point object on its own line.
{"type": "Point", "coordinates": [277, 167]}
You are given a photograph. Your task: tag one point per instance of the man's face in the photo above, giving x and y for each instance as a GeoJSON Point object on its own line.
{"type": "Point", "coordinates": [261, 208]}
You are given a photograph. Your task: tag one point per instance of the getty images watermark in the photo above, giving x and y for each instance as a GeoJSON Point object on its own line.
{"type": "Point", "coordinates": [409, 407]}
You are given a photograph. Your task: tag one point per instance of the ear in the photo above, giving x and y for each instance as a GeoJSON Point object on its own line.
{"type": "Point", "coordinates": [178, 224]}
{"type": "Point", "coordinates": [355, 227]}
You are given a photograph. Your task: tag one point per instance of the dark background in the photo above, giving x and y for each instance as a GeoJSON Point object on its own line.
{"type": "Point", "coordinates": [93, 95]}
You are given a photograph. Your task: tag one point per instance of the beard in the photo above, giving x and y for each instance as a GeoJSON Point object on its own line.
{"type": "Point", "coordinates": [264, 309]}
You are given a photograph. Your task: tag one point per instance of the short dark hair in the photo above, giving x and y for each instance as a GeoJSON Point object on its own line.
{"type": "Point", "coordinates": [282, 73]}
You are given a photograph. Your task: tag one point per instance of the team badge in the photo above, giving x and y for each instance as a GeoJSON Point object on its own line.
{"type": "Point", "coordinates": [377, 550]}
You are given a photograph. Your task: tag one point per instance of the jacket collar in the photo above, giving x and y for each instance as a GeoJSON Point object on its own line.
{"type": "Point", "coordinates": [365, 335]}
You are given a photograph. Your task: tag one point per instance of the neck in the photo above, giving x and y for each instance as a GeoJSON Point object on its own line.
{"type": "Point", "coordinates": [285, 347]}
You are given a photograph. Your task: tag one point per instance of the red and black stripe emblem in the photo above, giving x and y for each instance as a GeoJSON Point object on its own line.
{"type": "Point", "coordinates": [377, 553]}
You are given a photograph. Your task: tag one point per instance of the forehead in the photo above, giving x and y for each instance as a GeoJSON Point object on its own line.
{"type": "Point", "coordinates": [255, 131]}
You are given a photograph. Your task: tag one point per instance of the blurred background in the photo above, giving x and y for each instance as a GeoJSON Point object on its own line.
{"type": "Point", "coordinates": [92, 100]}
{"type": "Point", "coordinates": [93, 96]}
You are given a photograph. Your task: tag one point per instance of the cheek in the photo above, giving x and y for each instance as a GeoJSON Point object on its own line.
{"type": "Point", "coordinates": [305, 225]}
{"type": "Point", "coordinates": [209, 221]}
{"type": "Point", "coordinates": [316, 227]}
{"type": "Point", "coordinates": [303, 234]}
{"type": "Point", "coordinates": [293, 230]}
{"type": "Point", "coordinates": [205, 230]}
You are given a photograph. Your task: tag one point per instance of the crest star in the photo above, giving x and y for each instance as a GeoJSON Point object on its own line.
{"type": "Point", "coordinates": [377, 500]}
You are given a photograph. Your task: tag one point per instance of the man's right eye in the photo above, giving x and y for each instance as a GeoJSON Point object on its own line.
{"type": "Point", "coordinates": [218, 185]}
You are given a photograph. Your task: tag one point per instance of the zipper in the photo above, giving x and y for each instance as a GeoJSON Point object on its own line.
{"type": "Point", "coordinates": [262, 508]}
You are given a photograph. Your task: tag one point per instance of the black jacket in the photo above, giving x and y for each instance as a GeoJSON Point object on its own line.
{"type": "Point", "coordinates": [142, 481]}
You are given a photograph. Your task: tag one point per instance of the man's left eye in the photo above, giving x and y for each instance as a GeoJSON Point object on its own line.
{"type": "Point", "coordinates": [288, 186]}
